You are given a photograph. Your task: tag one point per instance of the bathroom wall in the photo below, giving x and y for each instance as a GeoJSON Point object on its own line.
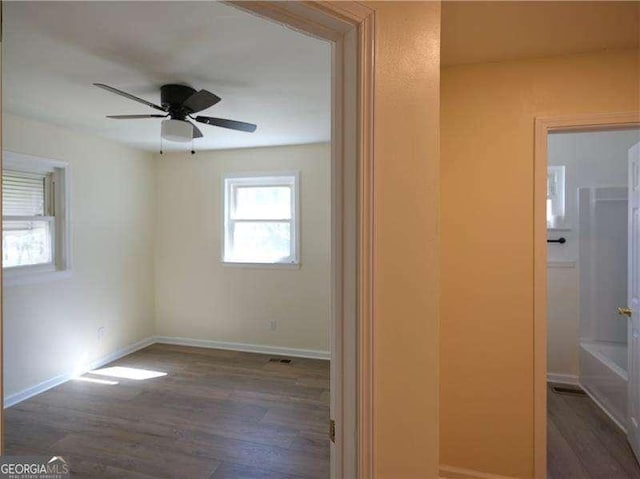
{"type": "Point", "coordinates": [591, 159]}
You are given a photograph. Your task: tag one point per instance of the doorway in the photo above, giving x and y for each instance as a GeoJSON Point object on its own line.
{"type": "Point", "coordinates": [351, 34]}
{"type": "Point", "coordinates": [581, 261]}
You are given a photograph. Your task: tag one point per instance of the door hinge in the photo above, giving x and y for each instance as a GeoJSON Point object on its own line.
{"type": "Point", "coordinates": [332, 430]}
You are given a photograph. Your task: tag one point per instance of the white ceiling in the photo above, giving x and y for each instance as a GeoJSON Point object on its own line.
{"type": "Point", "coordinates": [264, 73]}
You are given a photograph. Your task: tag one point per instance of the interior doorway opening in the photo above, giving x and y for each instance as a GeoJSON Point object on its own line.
{"type": "Point", "coordinates": [352, 133]}
{"type": "Point", "coordinates": [587, 164]}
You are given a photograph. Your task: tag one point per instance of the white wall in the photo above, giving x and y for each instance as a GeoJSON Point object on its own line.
{"type": "Point", "coordinates": [146, 242]}
{"type": "Point", "coordinates": [591, 159]}
{"type": "Point", "coordinates": [199, 298]}
{"type": "Point", "coordinates": [52, 328]}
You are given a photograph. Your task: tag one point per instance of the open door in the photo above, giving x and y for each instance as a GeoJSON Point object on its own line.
{"type": "Point", "coordinates": [632, 311]}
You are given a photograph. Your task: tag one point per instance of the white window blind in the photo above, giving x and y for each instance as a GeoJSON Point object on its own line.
{"type": "Point", "coordinates": [28, 219]}
{"type": "Point", "coordinates": [23, 194]}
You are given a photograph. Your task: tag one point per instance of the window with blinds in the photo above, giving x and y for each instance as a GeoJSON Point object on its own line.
{"type": "Point", "coordinates": [28, 219]}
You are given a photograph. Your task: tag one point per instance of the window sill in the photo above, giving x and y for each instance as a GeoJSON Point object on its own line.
{"type": "Point", "coordinates": [17, 278]}
{"type": "Point", "coordinates": [233, 264]}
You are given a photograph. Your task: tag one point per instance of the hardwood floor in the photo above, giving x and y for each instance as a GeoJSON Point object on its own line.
{"type": "Point", "coordinates": [583, 442]}
{"type": "Point", "coordinates": [216, 415]}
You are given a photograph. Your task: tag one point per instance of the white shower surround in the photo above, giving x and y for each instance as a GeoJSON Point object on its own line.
{"type": "Point", "coordinates": [603, 287]}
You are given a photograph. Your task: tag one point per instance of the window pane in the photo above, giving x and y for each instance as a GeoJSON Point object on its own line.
{"type": "Point", "coordinates": [551, 184]}
{"type": "Point", "coordinates": [261, 202]}
{"type": "Point", "coordinates": [26, 243]}
{"type": "Point", "coordinates": [256, 242]}
{"type": "Point", "coordinates": [23, 193]}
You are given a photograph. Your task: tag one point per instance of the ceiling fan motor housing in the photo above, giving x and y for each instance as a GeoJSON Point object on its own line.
{"type": "Point", "coordinates": [173, 96]}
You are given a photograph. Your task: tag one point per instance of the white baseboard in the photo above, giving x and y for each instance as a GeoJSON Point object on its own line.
{"type": "Point", "coordinates": [248, 348]}
{"type": "Point", "coordinates": [562, 378]}
{"type": "Point", "coordinates": [452, 472]}
{"type": "Point", "coordinates": [14, 399]}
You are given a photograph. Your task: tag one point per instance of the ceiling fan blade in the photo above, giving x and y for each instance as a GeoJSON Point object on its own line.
{"type": "Point", "coordinates": [134, 117]}
{"type": "Point", "coordinates": [128, 95]}
{"type": "Point", "coordinates": [196, 131]}
{"type": "Point", "coordinates": [231, 124]}
{"type": "Point", "coordinates": [200, 100]}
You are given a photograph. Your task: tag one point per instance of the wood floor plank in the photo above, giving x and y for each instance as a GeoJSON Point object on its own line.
{"type": "Point", "coordinates": [90, 470]}
{"type": "Point", "coordinates": [610, 435]}
{"type": "Point", "coordinates": [311, 442]}
{"type": "Point", "coordinates": [123, 453]}
{"type": "Point", "coordinates": [27, 435]}
{"type": "Point", "coordinates": [562, 462]}
{"type": "Point", "coordinates": [216, 414]}
{"type": "Point", "coordinates": [584, 442]}
{"type": "Point", "coordinates": [236, 471]}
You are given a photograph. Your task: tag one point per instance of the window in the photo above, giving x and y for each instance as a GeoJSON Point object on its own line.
{"type": "Point", "coordinates": [261, 219]}
{"type": "Point", "coordinates": [28, 223]}
{"type": "Point", "coordinates": [555, 196]}
{"type": "Point", "coordinates": [34, 221]}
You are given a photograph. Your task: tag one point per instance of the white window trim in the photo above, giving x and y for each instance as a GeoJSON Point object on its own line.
{"type": "Point", "coordinates": [61, 267]}
{"type": "Point", "coordinates": [560, 185]}
{"type": "Point", "coordinates": [258, 178]}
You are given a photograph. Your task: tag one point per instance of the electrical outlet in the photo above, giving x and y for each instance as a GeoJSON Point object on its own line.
{"type": "Point", "coordinates": [273, 325]}
{"type": "Point", "coordinates": [100, 333]}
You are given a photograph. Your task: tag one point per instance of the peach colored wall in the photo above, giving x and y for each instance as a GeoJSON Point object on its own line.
{"type": "Point", "coordinates": [406, 239]}
{"type": "Point", "coordinates": [486, 332]}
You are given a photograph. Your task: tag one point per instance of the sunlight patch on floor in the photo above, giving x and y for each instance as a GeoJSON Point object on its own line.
{"type": "Point", "coordinates": [95, 380]}
{"type": "Point", "coordinates": [128, 373]}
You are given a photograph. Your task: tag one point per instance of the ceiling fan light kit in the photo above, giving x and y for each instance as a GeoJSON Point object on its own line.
{"type": "Point", "coordinates": [176, 130]}
{"type": "Point", "coordinates": [178, 104]}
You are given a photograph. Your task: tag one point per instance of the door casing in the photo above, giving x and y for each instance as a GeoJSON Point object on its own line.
{"type": "Point", "coordinates": [544, 126]}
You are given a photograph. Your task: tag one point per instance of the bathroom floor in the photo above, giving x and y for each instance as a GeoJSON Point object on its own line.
{"type": "Point", "coordinates": [583, 442]}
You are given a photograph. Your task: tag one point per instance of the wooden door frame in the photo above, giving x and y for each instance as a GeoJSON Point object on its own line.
{"type": "Point", "coordinates": [544, 126]}
{"type": "Point", "coordinates": [349, 26]}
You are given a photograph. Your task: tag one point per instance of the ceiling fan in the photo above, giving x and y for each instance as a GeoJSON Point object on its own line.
{"type": "Point", "coordinates": [178, 105]}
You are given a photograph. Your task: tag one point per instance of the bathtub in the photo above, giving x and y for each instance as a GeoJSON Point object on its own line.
{"type": "Point", "coordinates": [603, 375]}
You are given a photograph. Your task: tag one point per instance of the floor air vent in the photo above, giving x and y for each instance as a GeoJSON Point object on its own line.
{"type": "Point", "coordinates": [569, 390]}
{"type": "Point", "coordinates": [279, 360]}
